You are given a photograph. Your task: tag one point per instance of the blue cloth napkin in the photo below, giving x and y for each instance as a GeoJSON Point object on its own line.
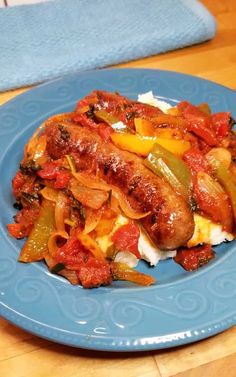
{"type": "Point", "coordinates": [44, 41]}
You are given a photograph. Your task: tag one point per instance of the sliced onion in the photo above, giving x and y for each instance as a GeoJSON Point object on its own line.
{"type": "Point", "coordinates": [70, 275]}
{"type": "Point", "coordinates": [91, 198]}
{"type": "Point", "coordinates": [221, 155]}
{"type": "Point", "coordinates": [117, 193]}
{"type": "Point", "coordinates": [92, 219]}
{"type": "Point", "coordinates": [90, 244]}
{"type": "Point", "coordinates": [31, 145]}
{"type": "Point", "coordinates": [49, 194]}
{"type": "Point", "coordinates": [52, 242]}
{"type": "Point", "coordinates": [213, 200]}
{"type": "Point", "coordinates": [40, 148]}
{"type": "Point", "coordinates": [61, 211]}
{"type": "Point", "coordinates": [95, 183]}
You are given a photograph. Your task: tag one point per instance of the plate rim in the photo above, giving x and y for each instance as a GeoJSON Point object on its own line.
{"type": "Point", "coordinates": [150, 343]}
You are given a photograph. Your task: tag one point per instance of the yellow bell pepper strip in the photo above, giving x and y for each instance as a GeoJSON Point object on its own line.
{"type": "Point", "coordinates": [144, 127]}
{"type": "Point", "coordinates": [121, 271]}
{"type": "Point", "coordinates": [165, 164]}
{"type": "Point", "coordinates": [142, 145]}
{"type": "Point", "coordinates": [36, 246]}
{"type": "Point", "coordinates": [170, 133]}
{"type": "Point", "coordinates": [174, 111]}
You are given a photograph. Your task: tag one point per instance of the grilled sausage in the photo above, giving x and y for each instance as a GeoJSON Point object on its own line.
{"type": "Point", "coordinates": [170, 223]}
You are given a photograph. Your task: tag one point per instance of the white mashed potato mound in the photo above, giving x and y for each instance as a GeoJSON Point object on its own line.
{"type": "Point", "coordinates": [206, 231]}
{"type": "Point", "coordinates": [150, 99]}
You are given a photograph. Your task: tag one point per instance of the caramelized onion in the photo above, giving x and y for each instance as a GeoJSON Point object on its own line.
{"type": "Point", "coordinates": [124, 204]}
{"type": "Point", "coordinates": [213, 200]}
{"type": "Point", "coordinates": [61, 210]}
{"type": "Point", "coordinates": [31, 145]}
{"type": "Point", "coordinates": [222, 155]}
{"type": "Point", "coordinates": [49, 194]}
{"type": "Point", "coordinates": [88, 197]}
{"type": "Point", "coordinates": [52, 242]}
{"type": "Point", "coordinates": [68, 274]}
{"type": "Point", "coordinates": [92, 219]}
{"type": "Point", "coordinates": [99, 184]}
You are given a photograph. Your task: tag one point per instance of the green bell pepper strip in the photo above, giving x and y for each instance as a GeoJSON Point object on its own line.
{"type": "Point", "coordinates": [36, 246]}
{"type": "Point", "coordinates": [112, 121]}
{"type": "Point", "coordinates": [170, 167]}
{"type": "Point", "coordinates": [223, 176]}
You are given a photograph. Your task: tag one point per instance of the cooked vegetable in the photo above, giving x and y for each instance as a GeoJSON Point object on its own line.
{"type": "Point", "coordinates": [170, 167]}
{"type": "Point", "coordinates": [53, 241]}
{"type": "Point", "coordinates": [86, 178]}
{"type": "Point", "coordinates": [92, 218]}
{"type": "Point", "coordinates": [222, 155]}
{"type": "Point", "coordinates": [122, 271]}
{"type": "Point", "coordinates": [126, 238]}
{"type": "Point", "coordinates": [144, 127]}
{"type": "Point", "coordinates": [142, 145]}
{"type": "Point", "coordinates": [91, 245]}
{"type": "Point", "coordinates": [213, 201]}
{"type": "Point", "coordinates": [192, 259]}
{"type": "Point", "coordinates": [92, 183]}
{"type": "Point", "coordinates": [224, 177]}
{"type": "Point", "coordinates": [91, 198]}
{"type": "Point", "coordinates": [35, 247]}
{"type": "Point", "coordinates": [61, 211]}
{"type": "Point", "coordinates": [106, 117]}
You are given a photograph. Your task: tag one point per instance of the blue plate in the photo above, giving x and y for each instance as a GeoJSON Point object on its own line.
{"type": "Point", "coordinates": [181, 308]}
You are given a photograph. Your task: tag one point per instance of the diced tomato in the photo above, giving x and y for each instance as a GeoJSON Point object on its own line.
{"type": "Point", "coordinates": [52, 171]}
{"type": "Point", "coordinates": [105, 131]}
{"type": "Point", "coordinates": [49, 170]}
{"type": "Point", "coordinates": [182, 105]}
{"type": "Point", "coordinates": [70, 252]}
{"type": "Point", "coordinates": [62, 179]}
{"type": "Point", "coordinates": [90, 99]}
{"type": "Point", "coordinates": [126, 238]}
{"type": "Point", "coordinates": [22, 183]}
{"type": "Point", "coordinates": [17, 182]}
{"type": "Point", "coordinates": [220, 122]}
{"type": "Point", "coordinates": [17, 230]}
{"type": "Point", "coordinates": [199, 128]}
{"type": "Point", "coordinates": [84, 120]}
{"type": "Point", "coordinates": [195, 257]}
{"type": "Point", "coordinates": [198, 122]}
{"type": "Point", "coordinates": [190, 111]}
{"type": "Point", "coordinates": [91, 271]}
{"type": "Point", "coordinates": [24, 222]}
{"type": "Point", "coordinates": [27, 215]}
{"type": "Point", "coordinates": [196, 161]}
{"type": "Point", "coordinates": [96, 275]}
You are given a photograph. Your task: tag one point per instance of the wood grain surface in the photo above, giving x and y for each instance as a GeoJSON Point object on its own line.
{"type": "Point", "coordinates": [24, 355]}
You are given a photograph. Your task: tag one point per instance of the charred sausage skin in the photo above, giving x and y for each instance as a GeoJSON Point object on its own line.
{"type": "Point", "coordinates": [170, 223]}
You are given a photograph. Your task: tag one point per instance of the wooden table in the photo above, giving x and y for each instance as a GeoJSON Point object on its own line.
{"type": "Point", "coordinates": [24, 355]}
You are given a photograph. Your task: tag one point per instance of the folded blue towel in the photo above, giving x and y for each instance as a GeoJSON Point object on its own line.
{"type": "Point", "coordinates": [44, 41]}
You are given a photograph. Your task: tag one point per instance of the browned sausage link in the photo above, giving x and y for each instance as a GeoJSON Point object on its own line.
{"type": "Point", "coordinates": [170, 223]}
